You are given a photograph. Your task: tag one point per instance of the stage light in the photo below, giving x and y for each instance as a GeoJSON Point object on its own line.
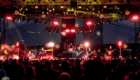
{"type": "Point", "coordinates": [43, 16]}
{"type": "Point", "coordinates": [36, 7]}
{"type": "Point", "coordinates": [67, 30]}
{"type": "Point", "coordinates": [72, 30]}
{"type": "Point", "coordinates": [63, 25]}
{"type": "Point", "coordinates": [51, 44]}
{"type": "Point", "coordinates": [76, 25]}
{"type": "Point", "coordinates": [56, 22]}
{"type": "Point", "coordinates": [89, 23]}
{"type": "Point", "coordinates": [86, 44]}
{"type": "Point", "coordinates": [63, 33]}
{"type": "Point", "coordinates": [98, 33]}
{"type": "Point", "coordinates": [61, 7]}
{"type": "Point", "coordinates": [104, 6]}
{"type": "Point", "coordinates": [125, 46]}
{"type": "Point", "coordinates": [9, 18]}
{"type": "Point", "coordinates": [16, 57]}
{"type": "Point", "coordinates": [17, 44]}
{"type": "Point", "coordinates": [57, 46]}
{"type": "Point", "coordinates": [120, 43]}
{"type": "Point", "coordinates": [135, 17]}
{"type": "Point", "coordinates": [79, 7]}
{"type": "Point", "coordinates": [101, 16]}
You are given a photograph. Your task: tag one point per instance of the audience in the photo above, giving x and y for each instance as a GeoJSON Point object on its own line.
{"type": "Point", "coordinates": [67, 69]}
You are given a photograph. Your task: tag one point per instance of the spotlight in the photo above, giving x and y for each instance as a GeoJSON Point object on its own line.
{"type": "Point", "coordinates": [120, 43]}
{"type": "Point", "coordinates": [79, 7]}
{"type": "Point", "coordinates": [61, 7]}
{"type": "Point", "coordinates": [86, 44]}
{"type": "Point", "coordinates": [9, 18]}
{"type": "Point", "coordinates": [67, 30]}
{"type": "Point", "coordinates": [89, 22]}
{"type": "Point", "coordinates": [135, 17]}
{"type": "Point", "coordinates": [98, 33]}
{"type": "Point", "coordinates": [17, 44]}
{"type": "Point", "coordinates": [36, 7]}
{"type": "Point", "coordinates": [63, 33]}
{"type": "Point", "coordinates": [56, 22]}
{"type": "Point", "coordinates": [73, 30]}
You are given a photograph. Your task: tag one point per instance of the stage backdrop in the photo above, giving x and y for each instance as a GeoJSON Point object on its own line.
{"type": "Point", "coordinates": [71, 37]}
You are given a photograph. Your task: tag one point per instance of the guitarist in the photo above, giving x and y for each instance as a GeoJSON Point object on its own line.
{"type": "Point", "coordinates": [109, 52]}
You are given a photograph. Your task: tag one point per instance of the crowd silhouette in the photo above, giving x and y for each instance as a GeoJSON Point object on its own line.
{"type": "Point", "coordinates": [70, 69]}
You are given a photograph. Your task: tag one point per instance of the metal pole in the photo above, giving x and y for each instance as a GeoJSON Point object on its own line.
{"type": "Point", "coordinates": [18, 51]}
{"type": "Point", "coordinates": [120, 52]}
{"type": "Point", "coordinates": [86, 51]}
{"type": "Point", "coordinates": [52, 51]}
{"type": "Point", "coordinates": [135, 32]}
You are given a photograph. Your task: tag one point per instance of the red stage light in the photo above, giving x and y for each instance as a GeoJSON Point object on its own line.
{"type": "Point", "coordinates": [36, 7]}
{"type": "Point", "coordinates": [67, 30]}
{"type": "Point", "coordinates": [17, 44]}
{"type": "Point", "coordinates": [9, 18]}
{"type": "Point", "coordinates": [135, 17]}
{"type": "Point", "coordinates": [56, 23]}
{"type": "Point", "coordinates": [61, 7]}
{"type": "Point", "coordinates": [86, 44]}
{"type": "Point", "coordinates": [89, 23]}
{"type": "Point", "coordinates": [72, 30]}
{"type": "Point", "coordinates": [120, 43]}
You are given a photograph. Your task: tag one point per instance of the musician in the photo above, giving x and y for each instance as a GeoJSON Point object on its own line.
{"type": "Point", "coordinates": [65, 47]}
{"type": "Point", "coordinates": [42, 53]}
{"type": "Point", "coordinates": [79, 52]}
{"type": "Point", "coordinates": [70, 46]}
{"type": "Point", "coordinates": [110, 51]}
{"type": "Point", "coordinates": [89, 50]}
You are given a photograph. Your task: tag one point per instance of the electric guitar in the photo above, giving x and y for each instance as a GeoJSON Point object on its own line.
{"type": "Point", "coordinates": [110, 52]}
{"type": "Point", "coordinates": [79, 53]}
